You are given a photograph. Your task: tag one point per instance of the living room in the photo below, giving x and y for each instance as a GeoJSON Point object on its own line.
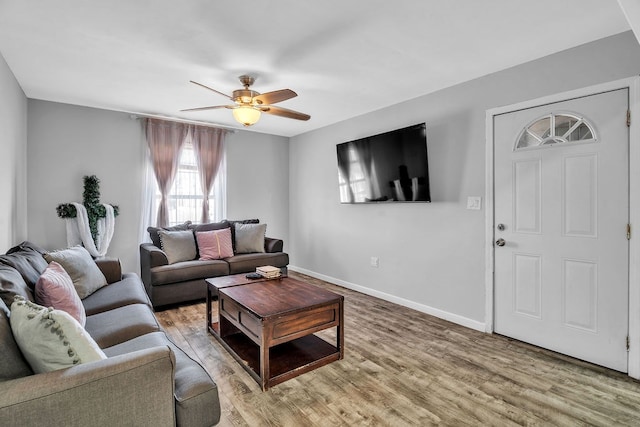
{"type": "Point", "coordinates": [431, 256]}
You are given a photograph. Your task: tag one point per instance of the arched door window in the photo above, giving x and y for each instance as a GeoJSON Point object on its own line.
{"type": "Point", "coordinates": [556, 128]}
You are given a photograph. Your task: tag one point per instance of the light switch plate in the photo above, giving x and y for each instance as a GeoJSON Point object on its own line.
{"type": "Point", "coordinates": [474, 203]}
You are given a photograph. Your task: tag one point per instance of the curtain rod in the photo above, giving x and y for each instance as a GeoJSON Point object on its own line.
{"type": "Point", "coordinates": [137, 116]}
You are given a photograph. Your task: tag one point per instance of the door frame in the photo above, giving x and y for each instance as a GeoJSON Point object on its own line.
{"type": "Point", "coordinates": [633, 85]}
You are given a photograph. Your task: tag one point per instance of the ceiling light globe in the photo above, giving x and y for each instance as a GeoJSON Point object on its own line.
{"type": "Point", "coordinates": [246, 116]}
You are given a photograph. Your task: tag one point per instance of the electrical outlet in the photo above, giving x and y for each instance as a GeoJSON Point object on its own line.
{"type": "Point", "coordinates": [375, 261]}
{"type": "Point", "coordinates": [474, 203]}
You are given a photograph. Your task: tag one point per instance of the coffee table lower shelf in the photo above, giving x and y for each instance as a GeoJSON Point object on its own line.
{"type": "Point", "coordinates": [286, 360]}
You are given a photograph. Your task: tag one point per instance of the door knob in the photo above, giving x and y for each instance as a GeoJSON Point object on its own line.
{"type": "Point", "coordinates": [500, 242]}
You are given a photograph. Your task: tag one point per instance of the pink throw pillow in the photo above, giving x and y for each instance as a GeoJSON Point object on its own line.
{"type": "Point", "coordinates": [55, 289]}
{"type": "Point", "coordinates": [214, 244]}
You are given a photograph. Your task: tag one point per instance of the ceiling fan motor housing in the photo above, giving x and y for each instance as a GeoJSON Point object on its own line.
{"type": "Point", "coordinates": [244, 96]}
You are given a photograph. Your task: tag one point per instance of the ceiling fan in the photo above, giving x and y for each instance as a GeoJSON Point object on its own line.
{"type": "Point", "coordinates": [249, 104]}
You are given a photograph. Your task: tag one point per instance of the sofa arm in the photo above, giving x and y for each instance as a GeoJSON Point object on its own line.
{"type": "Point", "coordinates": [273, 245]}
{"type": "Point", "coordinates": [150, 256]}
{"type": "Point", "coordinates": [111, 269]}
{"type": "Point", "coordinates": [131, 389]}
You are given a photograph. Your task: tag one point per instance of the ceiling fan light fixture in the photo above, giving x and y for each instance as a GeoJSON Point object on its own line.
{"type": "Point", "coordinates": [246, 115]}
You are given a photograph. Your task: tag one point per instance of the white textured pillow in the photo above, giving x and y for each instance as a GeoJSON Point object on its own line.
{"type": "Point", "coordinates": [51, 339]}
{"type": "Point", "coordinates": [178, 245]}
{"type": "Point", "coordinates": [250, 238]}
{"type": "Point", "coordinates": [77, 262]}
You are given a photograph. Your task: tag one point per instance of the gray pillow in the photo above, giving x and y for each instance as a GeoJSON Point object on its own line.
{"type": "Point", "coordinates": [155, 237]}
{"type": "Point", "coordinates": [85, 274]}
{"type": "Point", "coordinates": [27, 261]}
{"type": "Point", "coordinates": [178, 245]}
{"type": "Point", "coordinates": [12, 284]}
{"type": "Point", "coordinates": [250, 238]}
{"type": "Point", "coordinates": [13, 363]}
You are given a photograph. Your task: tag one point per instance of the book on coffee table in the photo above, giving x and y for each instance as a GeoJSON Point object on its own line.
{"type": "Point", "coordinates": [268, 271]}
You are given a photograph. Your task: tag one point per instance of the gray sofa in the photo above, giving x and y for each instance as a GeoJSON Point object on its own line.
{"type": "Point", "coordinates": [146, 379]}
{"type": "Point", "coordinates": [185, 281]}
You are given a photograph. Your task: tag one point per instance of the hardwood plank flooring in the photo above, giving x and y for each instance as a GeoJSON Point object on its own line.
{"type": "Point", "coordinates": [406, 368]}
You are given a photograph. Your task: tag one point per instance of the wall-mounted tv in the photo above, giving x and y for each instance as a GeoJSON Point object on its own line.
{"type": "Point", "coordinates": [389, 167]}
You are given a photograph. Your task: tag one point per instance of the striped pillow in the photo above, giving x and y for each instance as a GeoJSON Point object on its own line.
{"type": "Point", "coordinates": [215, 244]}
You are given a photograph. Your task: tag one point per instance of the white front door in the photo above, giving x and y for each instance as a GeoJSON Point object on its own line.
{"type": "Point", "coordinates": [561, 206]}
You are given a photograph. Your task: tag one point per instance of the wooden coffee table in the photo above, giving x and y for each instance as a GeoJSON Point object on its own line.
{"type": "Point", "coordinates": [268, 326]}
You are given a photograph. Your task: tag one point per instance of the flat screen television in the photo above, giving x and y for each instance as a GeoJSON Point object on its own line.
{"type": "Point", "coordinates": [389, 167]}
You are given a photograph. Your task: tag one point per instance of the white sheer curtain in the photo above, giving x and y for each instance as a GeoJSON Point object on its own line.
{"type": "Point", "coordinates": [148, 205]}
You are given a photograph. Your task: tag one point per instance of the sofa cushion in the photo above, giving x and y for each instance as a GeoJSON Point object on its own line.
{"type": "Point", "coordinates": [210, 226]}
{"type": "Point", "coordinates": [29, 263]}
{"type": "Point", "coordinates": [127, 291]}
{"type": "Point", "coordinates": [55, 289]}
{"type": "Point", "coordinates": [87, 277]}
{"type": "Point", "coordinates": [250, 238]}
{"type": "Point", "coordinates": [178, 245]}
{"type": "Point", "coordinates": [155, 237]}
{"type": "Point", "coordinates": [51, 339]}
{"type": "Point", "coordinates": [13, 365]}
{"type": "Point", "coordinates": [214, 244]}
{"type": "Point", "coordinates": [121, 324]}
{"type": "Point", "coordinates": [188, 270]}
{"type": "Point", "coordinates": [27, 245]}
{"type": "Point", "coordinates": [12, 284]}
{"type": "Point", "coordinates": [245, 263]}
{"type": "Point", "coordinates": [195, 392]}
{"type": "Point", "coordinates": [233, 223]}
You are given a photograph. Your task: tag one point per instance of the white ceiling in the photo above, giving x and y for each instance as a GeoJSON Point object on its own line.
{"type": "Point", "coordinates": [343, 58]}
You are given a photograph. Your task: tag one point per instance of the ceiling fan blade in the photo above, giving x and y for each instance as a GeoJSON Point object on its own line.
{"type": "Point", "coordinates": [208, 108]}
{"type": "Point", "coordinates": [212, 90]}
{"type": "Point", "coordinates": [275, 96]}
{"type": "Point", "coordinates": [284, 112]}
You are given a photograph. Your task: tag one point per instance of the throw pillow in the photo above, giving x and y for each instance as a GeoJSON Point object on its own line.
{"type": "Point", "coordinates": [178, 245]}
{"type": "Point", "coordinates": [155, 237]}
{"type": "Point", "coordinates": [85, 274]}
{"type": "Point", "coordinates": [13, 363]}
{"type": "Point", "coordinates": [27, 261]}
{"type": "Point", "coordinates": [215, 244]}
{"type": "Point", "coordinates": [12, 284]}
{"type": "Point", "coordinates": [55, 289]}
{"type": "Point", "coordinates": [233, 222]}
{"type": "Point", "coordinates": [51, 339]}
{"type": "Point", "coordinates": [250, 238]}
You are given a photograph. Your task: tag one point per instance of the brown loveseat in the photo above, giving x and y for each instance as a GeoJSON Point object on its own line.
{"type": "Point", "coordinates": [145, 380]}
{"type": "Point", "coordinates": [185, 280]}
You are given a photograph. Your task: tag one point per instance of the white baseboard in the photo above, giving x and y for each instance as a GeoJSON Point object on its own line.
{"type": "Point", "coordinates": [451, 317]}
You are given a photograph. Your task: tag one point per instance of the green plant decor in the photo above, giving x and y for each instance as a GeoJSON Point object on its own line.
{"type": "Point", "coordinates": [91, 202]}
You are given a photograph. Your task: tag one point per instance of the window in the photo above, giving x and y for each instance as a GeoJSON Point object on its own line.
{"type": "Point", "coordinates": [356, 178]}
{"type": "Point", "coordinates": [556, 129]}
{"type": "Point", "coordinates": [185, 197]}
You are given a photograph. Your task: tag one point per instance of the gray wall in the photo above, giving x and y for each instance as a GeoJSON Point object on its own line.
{"type": "Point", "coordinates": [66, 142]}
{"type": "Point", "coordinates": [431, 255]}
{"type": "Point", "coordinates": [258, 180]}
{"type": "Point", "coordinates": [13, 160]}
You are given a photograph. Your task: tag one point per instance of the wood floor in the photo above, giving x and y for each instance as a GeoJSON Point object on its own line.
{"type": "Point", "coordinates": [403, 367]}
